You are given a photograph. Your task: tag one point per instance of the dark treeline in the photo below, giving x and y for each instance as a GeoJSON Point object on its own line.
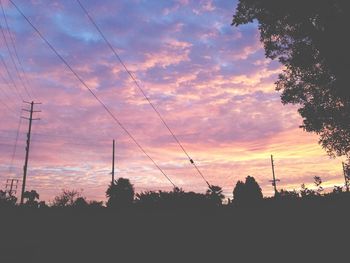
{"type": "Point", "coordinates": [176, 226]}
{"type": "Point", "coordinates": [121, 195]}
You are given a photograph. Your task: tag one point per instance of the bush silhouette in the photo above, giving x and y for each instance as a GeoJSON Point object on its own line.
{"type": "Point", "coordinates": [7, 200]}
{"type": "Point", "coordinates": [288, 195]}
{"type": "Point", "coordinates": [80, 202]}
{"type": "Point", "coordinates": [177, 199]}
{"type": "Point", "coordinates": [247, 193]}
{"type": "Point", "coordinates": [31, 197]}
{"type": "Point", "coordinates": [120, 193]}
{"type": "Point", "coordinates": [215, 195]}
{"type": "Point", "coordinates": [66, 199]}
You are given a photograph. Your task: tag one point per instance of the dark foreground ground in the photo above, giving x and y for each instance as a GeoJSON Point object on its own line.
{"type": "Point", "coordinates": [289, 234]}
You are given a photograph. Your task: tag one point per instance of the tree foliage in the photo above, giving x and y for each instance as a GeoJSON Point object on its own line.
{"type": "Point", "coordinates": [215, 195]}
{"type": "Point", "coordinates": [305, 192]}
{"type": "Point", "coordinates": [120, 193]}
{"type": "Point", "coordinates": [31, 198]}
{"type": "Point", "coordinates": [179, 199]}
{"type": "Point", "coordinates": [288, 195]}
{"type": "Point", "coordinates": [248, 192]}
{"type": "Point", "coordinates": [74, 199]}
{"type": "Point", "coordinates": [310, 39]}
{"type": "Point", "coordinates": [7, 200]}
{"type": "Point", "coordinates": [66, 198]}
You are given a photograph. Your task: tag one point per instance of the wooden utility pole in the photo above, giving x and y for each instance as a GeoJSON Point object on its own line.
{"type": "Point", "coordinates": [25, 167]}
{"type": "Point", "coordinates": [11, 186]}
{"type": "Point", "coordinates": [346, 176]}
{"type": "Point", "coordinates": [113, 162]}
{"type": "Point", "coordinates": [274, 180]}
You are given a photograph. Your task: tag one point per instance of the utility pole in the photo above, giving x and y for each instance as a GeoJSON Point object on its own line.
{"type": "Point", "coordinates": [346, 176]}
{"type": "Point", "coordinates": [25, 167]}
{"type": "Point", "coordinates": [274, 180]}
{"type": "Point", "coordinates": [11, 186]}
{"type": "Point", "coordinates": [113, 162]}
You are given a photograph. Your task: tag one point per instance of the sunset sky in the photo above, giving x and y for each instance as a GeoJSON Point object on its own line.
{"type": "Point", "coordinates": [209, 80]}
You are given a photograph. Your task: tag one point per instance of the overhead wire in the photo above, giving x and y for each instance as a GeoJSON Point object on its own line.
{"type": "Point", "coordinates": [91, 92]}
{"type": "Point", "coordinates": [10, 77]}
{"type": "Point", "coordinates": [13, 61]}
{"type": "Point", "coordinates": [5, 93]}
{"type": "Point", "coordinates": [9, 108]}
{"type": "Point", "coordinates": [141, 90]}
{"type": "Point", "coordinates": [5, 105]}
{"type": "Point", "coordinates": [24, 83]}
{"type": "Point", "coordinates": [16, 142]}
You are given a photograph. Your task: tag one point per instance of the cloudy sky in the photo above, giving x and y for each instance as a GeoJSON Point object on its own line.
{"type": "Point", "coordinates": [209, 80]}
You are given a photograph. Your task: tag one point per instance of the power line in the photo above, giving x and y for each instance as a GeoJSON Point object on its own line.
{"type": "Point", "coordinates": [5, 102]}
{"type": "Point", "coordinates": [15, 51]}
{"type": "Point", "coordinates": [6, 106]}
{"type": "Point", "coordinates": [10, 77]}
{"type": "Point", "coordinates": [91, 92]}
{"type": "Point", "coordinates": [8, 85]}
{"type": "Point", "coordinates": [3, 90]}
{"type": "Point", "coordinates": [16, 142]}
{"type": "Point", "coordinates": [13, 61]}
{"type": "Point", "coordinates": [141, 90]}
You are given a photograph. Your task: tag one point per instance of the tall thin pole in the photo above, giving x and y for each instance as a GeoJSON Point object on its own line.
{"type": "Point", "coordinates": [12, 184]}
{"type": "Point", "coordinates": [346, 178]}
{"type": "Point", "coordinates": [25, 167]}
{"type": "Point", "coordinates": [113, 162]}
{"type": "Point", "coordinates": [273, 175]}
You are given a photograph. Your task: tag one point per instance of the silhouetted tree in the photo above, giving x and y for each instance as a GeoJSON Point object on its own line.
{"type": "Point", "coordinates": [337, 189]}
{"type": "Point", "coordinates": [309, 39]}
{"type": "Point", "coordinates": [239, 192]}
{"type": "Point", "coordinates": [42, 204]}
{"type": "Point", "coordinates": [318, 182]}
{"type": "Point", "coordinates": [247, 193]}
{"type": "Point", "coordinates": [253, 188]}
{"type": "Point", "coordinates": [306, 192]}
{"type": "Point", "coordinates": [80, 202]}
{"type": "Point", "coordinates": [67, 198]}
{"type": "Point", "coordinates": [175, 199]}
{"type": "Point", "coordinates": [148, 198]}
{"type": "Point", "coordinates": [7, 200]}
{"type": "Point", "coordinates": [95, 204]}
{"type": "Point", "coordinates": [31, 197]}
{"type": "Point", "coordinates": [215, 195]}
{"type": "Point", "coordinates": [288, 195]}
{"type": "Point", "coordinates": [120, 194]}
